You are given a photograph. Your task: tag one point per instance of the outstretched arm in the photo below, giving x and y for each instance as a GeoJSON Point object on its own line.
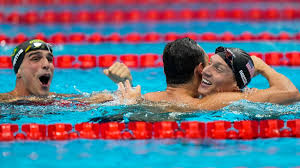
{"type": "Point", "coordinates": [95, 98]}
{"type": "Point", "coordinates": [125, 94]}
{"type": "Point", "coordinates": [118, 72]}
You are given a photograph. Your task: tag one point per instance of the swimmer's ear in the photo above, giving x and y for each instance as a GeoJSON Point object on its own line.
{"type": "Point", "coordinates": [200, 68]}
{"type": "Point", "coordinates": [18, 74]}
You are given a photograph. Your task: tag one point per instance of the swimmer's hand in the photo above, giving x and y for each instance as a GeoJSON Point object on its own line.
{"type": "Point", "coordinates": [127, 94]}
{"type": "Point", "coordinates": [118, 72]}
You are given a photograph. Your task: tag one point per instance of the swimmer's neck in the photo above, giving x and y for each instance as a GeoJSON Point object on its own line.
{"type": "Point", "coordinates": [16, 93]}
{"type": "Point", "coordinates": [21, 91]}
{"type": "Point", "coordinates": [183, 89]}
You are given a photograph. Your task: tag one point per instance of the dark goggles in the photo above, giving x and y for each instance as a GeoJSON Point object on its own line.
{"type": "Point", "coordinates": [39, 45]}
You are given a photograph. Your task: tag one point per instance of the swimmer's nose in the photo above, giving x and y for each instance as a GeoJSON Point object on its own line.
{"type": "Point", "coordinates": [45, 64]}
{"type": "Point", "coordinates": [206, 71]}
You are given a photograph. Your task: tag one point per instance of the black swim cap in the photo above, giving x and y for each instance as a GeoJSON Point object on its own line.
{"type": "Point", "coordinates": [240, 62]}
{"type": "Point", "coordinates": [30, 45]}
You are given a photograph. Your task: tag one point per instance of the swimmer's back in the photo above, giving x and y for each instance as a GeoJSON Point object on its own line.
{"type": "Point", "coordinates": [156, 96]}
{"type": "Point", "coordinates": [165, 96]}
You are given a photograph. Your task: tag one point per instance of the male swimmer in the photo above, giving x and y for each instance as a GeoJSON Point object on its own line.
{"type": "Point", "coordinates": [33, 65]}
{"type": "Point", "coordinates": [184, 61]}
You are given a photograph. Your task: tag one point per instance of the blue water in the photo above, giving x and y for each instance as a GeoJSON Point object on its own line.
{"type": "Point", "coordinates": [282, 152]}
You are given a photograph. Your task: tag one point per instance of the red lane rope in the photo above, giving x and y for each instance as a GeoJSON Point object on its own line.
{"type": "Point", "coordinates": [126, 2]}
{"type": "Point", "coordinates": [151, 37]}
{"type": "Point", "coordinates": [147, 60]}
{"type": "Point", "coordinates": [157, 130]}
{"type": "Point", "coordinates": [149, 15]}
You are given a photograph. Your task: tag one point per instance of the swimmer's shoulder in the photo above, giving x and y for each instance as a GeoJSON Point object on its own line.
{"type": "Point", "coordinates": [7, 97]}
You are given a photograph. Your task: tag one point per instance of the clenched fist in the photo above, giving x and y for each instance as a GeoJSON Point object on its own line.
{"type": "Point", "coordinates": [118, 72]}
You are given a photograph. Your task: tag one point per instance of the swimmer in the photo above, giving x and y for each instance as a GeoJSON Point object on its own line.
{"type": "Point", "coordinates": [184, 61]}
{"type": "Point", "coordinates": [33, 65]}
{"type": "Point", "coordinates": [228, 72]}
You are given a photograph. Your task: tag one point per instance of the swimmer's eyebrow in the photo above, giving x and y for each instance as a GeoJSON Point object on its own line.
{"type": "Point", "coordinates": [217, 63]}
{"type": "Point", "coordinates": [33, 53]}
{"type": "Point", "coordinates": [38, 52]}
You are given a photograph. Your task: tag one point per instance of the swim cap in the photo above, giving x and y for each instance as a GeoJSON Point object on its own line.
{"type": "Point", "coordinates": [30, 45]}
{"type": "Point", "coordinates": [240, 62]}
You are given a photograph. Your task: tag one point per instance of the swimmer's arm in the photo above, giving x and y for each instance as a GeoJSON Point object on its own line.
{"type": "Point", "coordinates": [65, 95]}
{"type": "Point", "coordinates": [219, 100]}
{"type": "Point", "coordinates": [277, 81]}
{"type": "Point", "coordinates": [280, 86]}
{"type": "Point", "coordinates": [118, 72]}
{"type": "Point", "coordinates": [95, 98]}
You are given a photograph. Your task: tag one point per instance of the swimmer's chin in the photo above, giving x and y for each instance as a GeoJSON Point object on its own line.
{"type": "Point", "coordinates": [45, 95]}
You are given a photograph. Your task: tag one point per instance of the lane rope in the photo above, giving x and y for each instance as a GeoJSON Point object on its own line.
{"type": "Point", "coordinates": [148, 15]}
{"type": "Point", "coordinates": [128, 2]}
{"type": "Point", "coordinates": [148, 60]}
{"type": "Point", "coordinates": [157, 130]}
{"type": "Point", "coordinates": [151, 37]}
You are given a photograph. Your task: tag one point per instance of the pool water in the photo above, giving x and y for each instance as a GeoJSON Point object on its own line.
{"type": "Point", "coordinates": [275, 152]}
{"type": "Point", "coordinates": [282, 152]}
{"type": "Point", "coordinates": [278, 152]}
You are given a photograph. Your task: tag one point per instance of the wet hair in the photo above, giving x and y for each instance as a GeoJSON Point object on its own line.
{"type": "Point", "coordinates": [180, 58]}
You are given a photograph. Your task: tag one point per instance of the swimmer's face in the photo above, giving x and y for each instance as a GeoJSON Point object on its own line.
{"type": "Point", "coordinates": [36, 72]}
{"type": "Point", "coordinates": [217, 77]}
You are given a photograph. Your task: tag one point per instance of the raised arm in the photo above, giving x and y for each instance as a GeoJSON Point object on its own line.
{"type": "Point", "coordinates": [277, 81]}
{"type": "Point", "coordinates": [118, 72]}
